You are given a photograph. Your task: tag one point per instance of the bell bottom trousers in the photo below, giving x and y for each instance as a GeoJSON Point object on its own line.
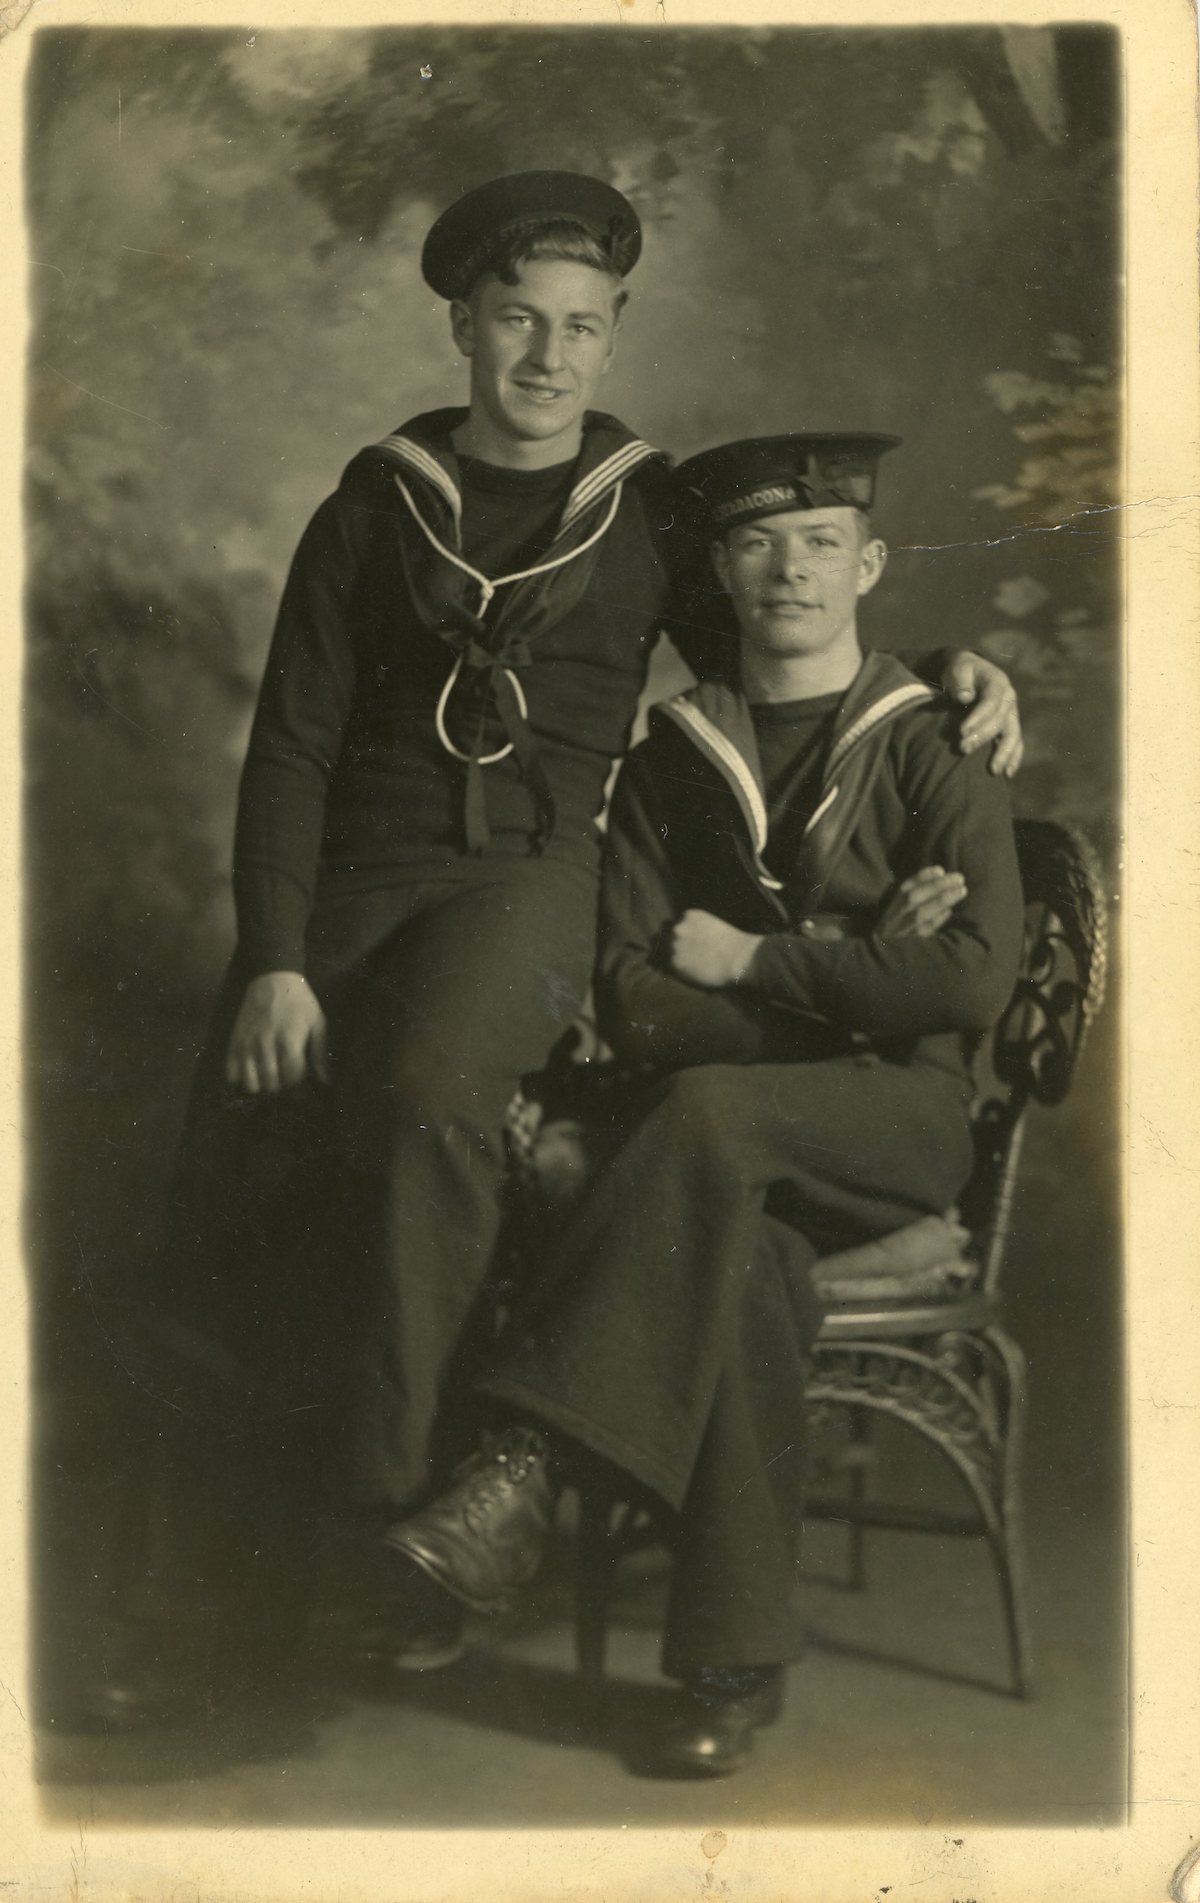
{"type": "Point", "coordinates": [320, 1286]}
{"type": "Point", "coordinates": [668, 1330]}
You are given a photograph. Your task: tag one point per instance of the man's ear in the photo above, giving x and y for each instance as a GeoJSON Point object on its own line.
{"type": "Point", "coordinates": [871, 563]}
{"type": "Point", "coordinates": [718, 555]}
{"type": "Point", "coordinates": [612, 346]}
{"type": "Point", "coordinates": [462, 326]}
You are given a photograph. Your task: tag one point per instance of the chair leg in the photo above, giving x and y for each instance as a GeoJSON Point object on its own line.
{"type": "Point", "coordinates": [860, 1458]}
{"type": "Point", "coordinates": [965, 1394]}
{"type": "Point", "coordinates": [1009, 1546]}
{"type": "Point", "coordinates": [596, 1564]}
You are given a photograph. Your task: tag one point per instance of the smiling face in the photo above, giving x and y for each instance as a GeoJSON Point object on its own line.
{"type": "Point", "coordinates": [537, 349]}
{"type": "Point", "coordinates": [795, 579]}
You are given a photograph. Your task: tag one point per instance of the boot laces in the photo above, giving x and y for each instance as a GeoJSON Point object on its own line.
{"type": "Point", "coordinates": [510, 1463]}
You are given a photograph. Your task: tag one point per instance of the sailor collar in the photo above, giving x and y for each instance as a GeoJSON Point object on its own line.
{"type": "Point", "coordinates": [717, 719]}
{"type": "Point", "coordinates": [609, 454]}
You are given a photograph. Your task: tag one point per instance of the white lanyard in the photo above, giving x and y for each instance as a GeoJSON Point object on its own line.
{"type": "Point", "coordinates": [487, 590]}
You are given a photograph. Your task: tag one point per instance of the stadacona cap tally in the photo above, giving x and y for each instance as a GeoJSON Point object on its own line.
{"type": "Point", "coordinates": [456, 250]}
{"type": "Point", "coordinates": [768, 475]}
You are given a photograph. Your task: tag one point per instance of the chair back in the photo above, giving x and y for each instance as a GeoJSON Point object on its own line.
{"type": "Point", "coordinates": [1030, 1056]}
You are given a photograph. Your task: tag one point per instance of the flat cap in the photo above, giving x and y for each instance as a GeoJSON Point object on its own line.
{"type": "Point", "coordinates": [766, 475]}
{"type": "Point", "coordinates": [457, 248]}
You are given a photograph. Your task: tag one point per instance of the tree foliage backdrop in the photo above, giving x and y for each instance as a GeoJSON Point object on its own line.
{"type": "Point", "coordinates": [903, 230]}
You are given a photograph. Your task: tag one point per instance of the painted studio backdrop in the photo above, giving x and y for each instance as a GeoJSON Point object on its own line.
{"type": "Point", "coordinates": [904, 231]}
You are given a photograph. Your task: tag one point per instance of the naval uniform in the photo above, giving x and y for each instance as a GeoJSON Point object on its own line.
{"type": "Point", "coordinates": [328, 1249]}
{"type": "Point", "coordinates": [444, 911]}
{"type": "Point", "coordinates": [821, 1102]}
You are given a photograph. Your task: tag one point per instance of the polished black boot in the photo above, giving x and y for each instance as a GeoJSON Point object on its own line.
{"type": "Point", "coordinates": [421, 1629]}
{"type": "Point", "coordinates": [485, 1536]}
{"type": "Point", "coordinates": [365, 1616]}
{"type": "Point", "coordinates": [723, 1706]}
{"type": "Point", "coordinates": [146, 1673]}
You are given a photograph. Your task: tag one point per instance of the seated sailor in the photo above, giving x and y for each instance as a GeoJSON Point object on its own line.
{"type": "Point", "coordinates": [807, 1082]}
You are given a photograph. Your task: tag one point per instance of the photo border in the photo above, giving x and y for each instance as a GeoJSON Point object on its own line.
{"type": "Point", "coordinates": [1140, 1859]}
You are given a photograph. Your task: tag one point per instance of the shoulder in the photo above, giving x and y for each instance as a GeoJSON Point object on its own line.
{"type": "Point", "coordinates": [662, 760]}
{"type": "Point", "coordinates": [365, 496]}
{"type": "Point", "coordinates": [367, 478]}
{"type": "Point", "coordinates": [651, 481]}
{"type": "Point", "coordinates": [672, 723]}
{"type": "Point", "coordinates": [640, 764]}
{"type": "Point", "coordinates": [679, 756]}
{"type": "Point", "coordinates": [647, 479]}
{"type": "Point", "coordinates": [926, 751]}
{"type": "Point", "coordinates": [928, 727]}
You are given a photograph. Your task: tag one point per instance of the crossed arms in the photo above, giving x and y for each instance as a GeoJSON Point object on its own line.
{"type": "Point", "coordinates": [938, 952]}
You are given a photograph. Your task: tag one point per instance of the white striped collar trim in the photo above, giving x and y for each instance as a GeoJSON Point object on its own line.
{"type": "Point", "coordinates": [618, 465]}
{"type": "Point", "coordinates": [881, 709]}
{"type": "Point", "coordinates": [722, 750]}
{"type": "Point", "coordinates": [406, 450]}
{"type": "Point", "coordinates": [488, 584]}
{"type": "Point", "coordinates": [822, 809]}
{"type": "Point", "coordinates": [593, 486]}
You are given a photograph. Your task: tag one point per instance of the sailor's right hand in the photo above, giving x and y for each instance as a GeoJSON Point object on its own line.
{"type": "Point", "coordinates": [280, 1034]}
{"type": "Point", "coordinates": [920, 906]}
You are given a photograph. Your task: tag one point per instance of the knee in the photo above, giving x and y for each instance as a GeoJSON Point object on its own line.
{"type": "Point", "coordinates": [414, 1100]}
{"type": "Point", "coordinates": [414, 1087]}
{"type": "Point", "coordinates": [695, 1111]}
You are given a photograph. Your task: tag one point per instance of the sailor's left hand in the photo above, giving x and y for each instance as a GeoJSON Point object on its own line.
{"type": "Point", "coordinates": [993, 717]}
{"type": "Point", "coordinates": [707, 951]}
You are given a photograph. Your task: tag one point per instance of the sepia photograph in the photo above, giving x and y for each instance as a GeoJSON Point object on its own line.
{"type": "Point", "coordinates": [574, 829]}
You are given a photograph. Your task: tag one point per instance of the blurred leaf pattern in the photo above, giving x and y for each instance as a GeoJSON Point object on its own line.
{"type": "Point", "coordinates": [906, 230]}
{"type": "Point", "coordinates": [1064, 657]}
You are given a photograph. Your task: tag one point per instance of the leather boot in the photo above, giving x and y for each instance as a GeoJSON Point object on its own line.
{"type": "Point", "coordinates": [145, 1674]}
{"type": "Point", "coordinates": [362, 1619]}
{"type": "Point", "coordinates": [485, 1536]}
{"type": "Point", "coordinates": [421, 1629]}
{"type": "Point", "coordinates": [723, 1708]}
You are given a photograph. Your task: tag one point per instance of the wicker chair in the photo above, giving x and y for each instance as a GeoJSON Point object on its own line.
{"type": "Point", "coordinates": [927, 1347]}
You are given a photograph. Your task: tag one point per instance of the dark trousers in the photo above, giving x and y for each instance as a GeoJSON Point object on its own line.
{"type": "Point", "coordinates": [432, 1034]}
{"type": "Point", "coordinates": [669, 1332]}
{"type": "Point", "coordinates": [328, 1247]}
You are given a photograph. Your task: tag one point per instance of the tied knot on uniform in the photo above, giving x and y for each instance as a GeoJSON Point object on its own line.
{"type": "Point", "coordinates": [479, 645]}
{"type": "Point", "coordinates": [489, 657]}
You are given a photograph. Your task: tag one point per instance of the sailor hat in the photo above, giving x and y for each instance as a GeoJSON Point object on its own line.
{"type": "Point", "coordinates": [769, 475]}
{"type": "Point", "coordinates": [457, 249]}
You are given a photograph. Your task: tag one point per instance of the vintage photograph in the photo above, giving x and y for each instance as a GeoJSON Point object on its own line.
{"type": "Point", "coordinates": [573, 829]}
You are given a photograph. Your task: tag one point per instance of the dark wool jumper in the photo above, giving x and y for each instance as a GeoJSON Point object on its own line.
{"type": "Point", "coordinates": [346, 783]}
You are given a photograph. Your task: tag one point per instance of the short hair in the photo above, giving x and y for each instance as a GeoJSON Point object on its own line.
{"type": "Point", "coordinates": [565, 240]}
{"type": "Point", "coordinates": [863, 518]}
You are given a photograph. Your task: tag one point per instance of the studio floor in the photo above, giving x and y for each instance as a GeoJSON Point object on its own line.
{"type": "Point", "coordinates": [897, 1716]}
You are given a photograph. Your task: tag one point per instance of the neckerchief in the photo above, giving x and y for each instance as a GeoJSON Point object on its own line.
{"type": "Point", "coordinates": [490, 622]}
